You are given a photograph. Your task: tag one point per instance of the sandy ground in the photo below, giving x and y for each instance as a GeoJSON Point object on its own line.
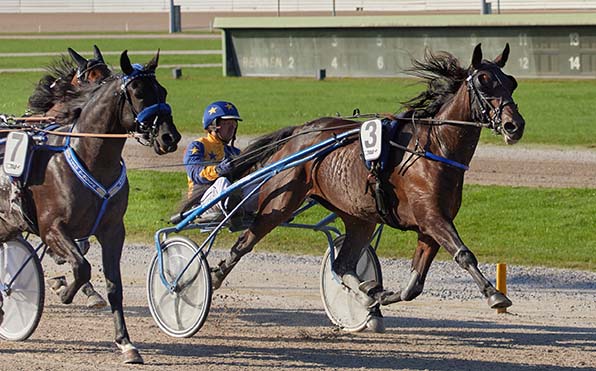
{"type": "Point", "coordinates": [269, 315]}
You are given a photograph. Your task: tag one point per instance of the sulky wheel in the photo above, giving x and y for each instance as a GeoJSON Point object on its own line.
{"type": "Point", "coordinates": [341, 306]}
{"type": "Point", "coordinates": [180, 313]}
{"type": "Point", "coordinates": [23, 298]}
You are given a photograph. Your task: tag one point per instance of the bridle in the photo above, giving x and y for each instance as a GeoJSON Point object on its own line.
{"type": "Point", "coordinates": [480, 105]}
{"type": "Point", "coordinates": [147, 120]}
{"type": "Point", "coordinates": [83, 75]}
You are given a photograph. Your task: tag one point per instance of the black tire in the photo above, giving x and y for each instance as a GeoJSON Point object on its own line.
{"type": "Point", "coordinates": [23, 305]}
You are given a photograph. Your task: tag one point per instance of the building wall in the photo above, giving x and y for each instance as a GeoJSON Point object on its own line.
{"type": "Point", "coordinates": [119, 6]}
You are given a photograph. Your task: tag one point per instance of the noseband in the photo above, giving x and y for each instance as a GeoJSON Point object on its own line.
{"type": "Point", "coordinates": [482, 110]}
{"type": "Point", "coordinates": [146, 121]}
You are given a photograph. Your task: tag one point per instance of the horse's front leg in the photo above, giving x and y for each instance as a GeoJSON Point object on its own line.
{"type": "Point", "coordinates": [65, 247]}
{"type": "Point", "coordinates": [444, 232]}
{"type": "Point", "coordinates": [112, 241]}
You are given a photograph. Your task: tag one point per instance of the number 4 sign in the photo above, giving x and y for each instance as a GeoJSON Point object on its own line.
{"type": "Point", "coordinates": [371, 139]}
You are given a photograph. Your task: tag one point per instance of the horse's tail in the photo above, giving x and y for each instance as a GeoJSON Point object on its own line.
{"type": "Point", "coordinates": [259, 151]}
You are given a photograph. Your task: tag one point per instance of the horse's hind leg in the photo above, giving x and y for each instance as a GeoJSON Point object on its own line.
{"type": "Point", "coordinates": [425, 252]}
{"type": "Point", "coordinates": [111, 248]}
{"type": "Point", "coordinates": [57, 240]}
{"type": "Point", "coordinates": [276, 208]}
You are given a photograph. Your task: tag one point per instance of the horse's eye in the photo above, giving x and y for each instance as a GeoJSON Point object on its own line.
{"type": "Point", "coordinates": [483, 79]}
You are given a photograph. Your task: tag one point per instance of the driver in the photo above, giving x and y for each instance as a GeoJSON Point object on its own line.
{"type": "Point", "coordinates": [208, 158]}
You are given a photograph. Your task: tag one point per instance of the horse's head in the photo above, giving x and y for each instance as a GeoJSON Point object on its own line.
{"type": "Point", "coordinates": [92, 70]}
{"type": "Point", "coordinates": [147, 101]}
{"type": "Point", "coordinates": [491, 93]}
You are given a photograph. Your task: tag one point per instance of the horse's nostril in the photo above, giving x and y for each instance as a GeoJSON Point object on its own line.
{"type": "Point", "coordinates": [167, 139]}
{"type": "Point", "coordinates": [510, 127]}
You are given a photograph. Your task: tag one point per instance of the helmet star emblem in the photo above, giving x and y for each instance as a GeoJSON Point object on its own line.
{"type": "Point", "coordinates": [229, 106]}
{"type": "Point", "coordinates": [212, 110]}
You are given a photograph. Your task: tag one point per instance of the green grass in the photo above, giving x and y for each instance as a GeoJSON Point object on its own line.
{"type": "Point", "coordinates": [85, 45]}
{"type": "Point", "coordinates": [556, 112]}
{"type": "Point", "coordinates": [550, 227]}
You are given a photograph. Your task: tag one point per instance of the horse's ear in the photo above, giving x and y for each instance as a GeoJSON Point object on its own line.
{"type": "Point", "coordinates": [501, 59]}
{"type": "Point", "coordinates": [152, 64]}
{"type": "Point", "coordinates": [125, 65]}
{"type": "Point", "coordinates": [97, 54]}
{"type": "Point", "coordinates": [477, 57]}
{"type": "Point", "coordinates": [79, 60]}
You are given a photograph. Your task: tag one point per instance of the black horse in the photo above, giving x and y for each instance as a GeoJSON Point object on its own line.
{"type": "Point", "coordinates": [62, 80]}
{"type": "Point", "coordinates": [61, 206]}
{"type": "Point", "coordinates": [60, 84]}
{"type": "Point", "coordinates": [421, 194]}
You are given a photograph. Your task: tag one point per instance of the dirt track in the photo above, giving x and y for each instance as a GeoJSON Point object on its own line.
{"type": "Point", "coordinates": [269, 316]}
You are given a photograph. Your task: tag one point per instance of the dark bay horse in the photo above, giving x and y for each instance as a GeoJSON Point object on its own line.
{"type": "Point", "coordinates": [63, 207]}
{"type": "Point", "coordinates": [424, 195]}
{"type": "Point", "coordinates": [48, 99]}
{"type": "Point", "coordinates": [62, 80]}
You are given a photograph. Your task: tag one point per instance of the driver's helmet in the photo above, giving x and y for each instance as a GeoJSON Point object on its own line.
{"type": "Point", "coordinates": [219, 109]}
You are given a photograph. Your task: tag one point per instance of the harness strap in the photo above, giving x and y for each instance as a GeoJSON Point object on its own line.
{"type": "Point", "coordinates": [91, 183]}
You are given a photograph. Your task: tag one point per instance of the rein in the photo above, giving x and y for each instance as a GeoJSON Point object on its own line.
{"type": "Point", "coordinates": [76, 135]}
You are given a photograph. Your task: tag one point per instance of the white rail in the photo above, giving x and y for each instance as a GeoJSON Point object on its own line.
{"type": "Point", "coordinates": [119, 6]}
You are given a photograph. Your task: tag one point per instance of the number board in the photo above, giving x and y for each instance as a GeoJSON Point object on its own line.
{"type": "Point", "coordinates": [541, 51]}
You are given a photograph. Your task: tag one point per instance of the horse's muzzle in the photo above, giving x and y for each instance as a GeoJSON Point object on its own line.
{"type": "Point", "coordinates": [167, 138]}
{"type": "Point", "coordinates": [513, 125]}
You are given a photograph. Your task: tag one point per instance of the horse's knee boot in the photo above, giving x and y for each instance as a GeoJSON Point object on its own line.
{"type": "Point", "coordinates": [465, 258]}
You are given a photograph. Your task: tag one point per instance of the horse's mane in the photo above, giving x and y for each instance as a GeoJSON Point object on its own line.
{"type": "Point", "coordinates": [443, 75]}
{"type": "Point", "coordinates": [54, 87]}
{"type": "Point", "coordinates": [79, 97]}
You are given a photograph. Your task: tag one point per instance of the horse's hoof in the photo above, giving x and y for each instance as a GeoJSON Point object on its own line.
{"type": "Point", "coordinates": [376, 324]}
{"type": "Point", "coordinates": [95, 301]}
{"type": "Point", "coordinates": [217, 278]}
{"type": "Point", "coordinates": [389, 297]}
{"type": "Point", "coordinates": [370, 287]}
{"type": "Point", "coordinates": [498, 300]}
{"type": "Point", "coordinates": [57, 284]}
{"type": "Point", "coordinates": [132, 356]}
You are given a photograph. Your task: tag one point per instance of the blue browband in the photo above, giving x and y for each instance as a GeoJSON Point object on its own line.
{"type": "Point", "coordinates": [147, 112]}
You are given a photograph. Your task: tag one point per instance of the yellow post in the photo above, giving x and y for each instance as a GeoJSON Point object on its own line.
{"type": "Point", "coordinates": [502, 282]}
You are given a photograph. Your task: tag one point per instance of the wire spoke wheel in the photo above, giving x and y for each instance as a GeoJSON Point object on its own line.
{"type": "Point", "coordinates": [180, 313]}
{"type": "Point", "coordinates": [23, 302]}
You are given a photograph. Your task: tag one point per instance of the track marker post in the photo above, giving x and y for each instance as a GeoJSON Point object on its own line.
{"type": "Point", "coordinates": [502, 282]}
